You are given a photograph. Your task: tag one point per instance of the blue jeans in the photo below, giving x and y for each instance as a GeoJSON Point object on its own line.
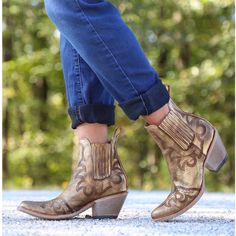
{"type": "Point", "coordinates": [103, 62]}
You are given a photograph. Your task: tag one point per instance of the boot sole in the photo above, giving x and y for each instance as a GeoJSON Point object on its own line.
{"type": "Point", "coordinates": [216, 158]}
{"type": "Point", "coordinates": [106, 207]}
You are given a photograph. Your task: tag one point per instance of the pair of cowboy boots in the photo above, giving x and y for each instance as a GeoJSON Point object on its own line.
{"type": "Point", "coordinates": [188, 143]}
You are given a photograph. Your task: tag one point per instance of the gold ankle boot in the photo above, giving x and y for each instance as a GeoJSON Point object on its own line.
{"type": "Point", "coordinates": [189, 143]}
{"type": "Point", "coordinates": [98, 182]}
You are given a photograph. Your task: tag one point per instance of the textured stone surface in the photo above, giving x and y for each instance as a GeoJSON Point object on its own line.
{"type": "Point", "coordinates": [212, 215]}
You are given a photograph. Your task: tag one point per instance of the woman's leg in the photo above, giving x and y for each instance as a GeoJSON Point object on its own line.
{"type": "Point", "coordinates": [98, 33]}
{"type": "Point", "coordinates": [91, 107]}
{"type": "Point", "coordinates": [188, 142]}
{"type": "Point", "coordinates": [98, 180]}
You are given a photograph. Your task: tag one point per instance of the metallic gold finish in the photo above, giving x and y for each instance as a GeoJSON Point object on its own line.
{"type": "Point", "coordinates": [101, 155]}
{"type": "Point", "coordinates": [97, 176]}
{"type": "Point", "coordinates": [188, 143]}
{"type": "Point", "coordinates": [175, 127]}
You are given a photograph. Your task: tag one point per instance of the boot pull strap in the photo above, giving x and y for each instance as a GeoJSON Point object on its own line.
{"type": "Point", "coordinates": [168, 87]}
{"type": "Point", "coordinates": [118, 131]}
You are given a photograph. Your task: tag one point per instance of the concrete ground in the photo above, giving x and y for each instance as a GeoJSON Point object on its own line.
{"type": "Point", "coordinates": [213, 215]}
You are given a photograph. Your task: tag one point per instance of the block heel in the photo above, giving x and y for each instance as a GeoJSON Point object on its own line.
{"type": "Point", "coordinates": [108, 207]}
{"type": "Point", "coordinates": [217, 154]}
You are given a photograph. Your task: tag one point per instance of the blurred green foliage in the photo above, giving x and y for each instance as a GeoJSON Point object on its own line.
{"type": "Point", "coordinates": [191, 45]}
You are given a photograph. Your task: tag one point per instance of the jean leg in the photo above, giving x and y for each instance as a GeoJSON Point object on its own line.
{"type": "Point", "coordinates": [88, 100]}
{"type": "Point", "coordinates": [98, 33]}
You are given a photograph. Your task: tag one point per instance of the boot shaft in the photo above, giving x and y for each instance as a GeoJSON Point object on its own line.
{"type": "Point", "coordinates": [184, 140]}
{"type": "Point", "coordinates": [98, 171]}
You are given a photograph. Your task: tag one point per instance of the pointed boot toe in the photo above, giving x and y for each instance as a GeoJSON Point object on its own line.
{"type": "Point", "coordinates": [30, 205]}
{"type": "Point", "coordinates": [178, 201]}
{"type": "Point", "coordinates": [158, 213]}
{"type": "Point", "coordinates": [35, 208]}
{"type": "Point", "coordinates": [24, 205]}
{"type": "Point", "coordinates": [162, 213]}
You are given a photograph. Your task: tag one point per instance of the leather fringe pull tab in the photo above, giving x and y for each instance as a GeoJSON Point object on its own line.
{"type": "Point", "coordinates": [168, 87]}
{"type": "Point", "coordinates": [118, 131]}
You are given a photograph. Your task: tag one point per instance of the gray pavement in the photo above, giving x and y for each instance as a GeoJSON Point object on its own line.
{"type": "Point", "coordinates": [213, 215]}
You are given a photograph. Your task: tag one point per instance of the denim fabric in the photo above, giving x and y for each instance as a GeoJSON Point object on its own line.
{"type": "Point", "coordinates": [102, 61]}
{"type": "Point", "coordinates": [88, 100]}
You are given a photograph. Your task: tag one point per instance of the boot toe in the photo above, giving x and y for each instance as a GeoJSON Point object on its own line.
{"type": "Point", "coordinates": [31, 207]}
{"type": "Point", "coordinates": [175, 205]}
{"type": "Point", "coordinates": [45, 209]}
{"type": "Point", "coordinates": [24, 205]}
{"type": "Point", "coordinates": [162, 213]}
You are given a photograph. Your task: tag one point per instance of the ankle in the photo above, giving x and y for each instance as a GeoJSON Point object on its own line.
{"type": "Point", "coordinates": [94, 132]}
{"type": "Point", "coordinates": [158, 116]}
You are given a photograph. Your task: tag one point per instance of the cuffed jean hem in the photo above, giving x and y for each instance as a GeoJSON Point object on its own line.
{"type": "Point", "coordinates": [92, 113]}
{"type": "Point", "coordinates": [146, 103]}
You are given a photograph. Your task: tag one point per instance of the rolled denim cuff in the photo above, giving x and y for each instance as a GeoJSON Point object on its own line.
{"type": "Point", "coordinates": [92, 113]}
{"type": "Point", "coordinates": [148, 102]}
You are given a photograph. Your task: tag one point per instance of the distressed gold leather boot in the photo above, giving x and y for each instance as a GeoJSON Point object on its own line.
{"type": "Point", "coordinates": [188, 143]}
{"type": "Point", "coordinates": [98, 182]}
